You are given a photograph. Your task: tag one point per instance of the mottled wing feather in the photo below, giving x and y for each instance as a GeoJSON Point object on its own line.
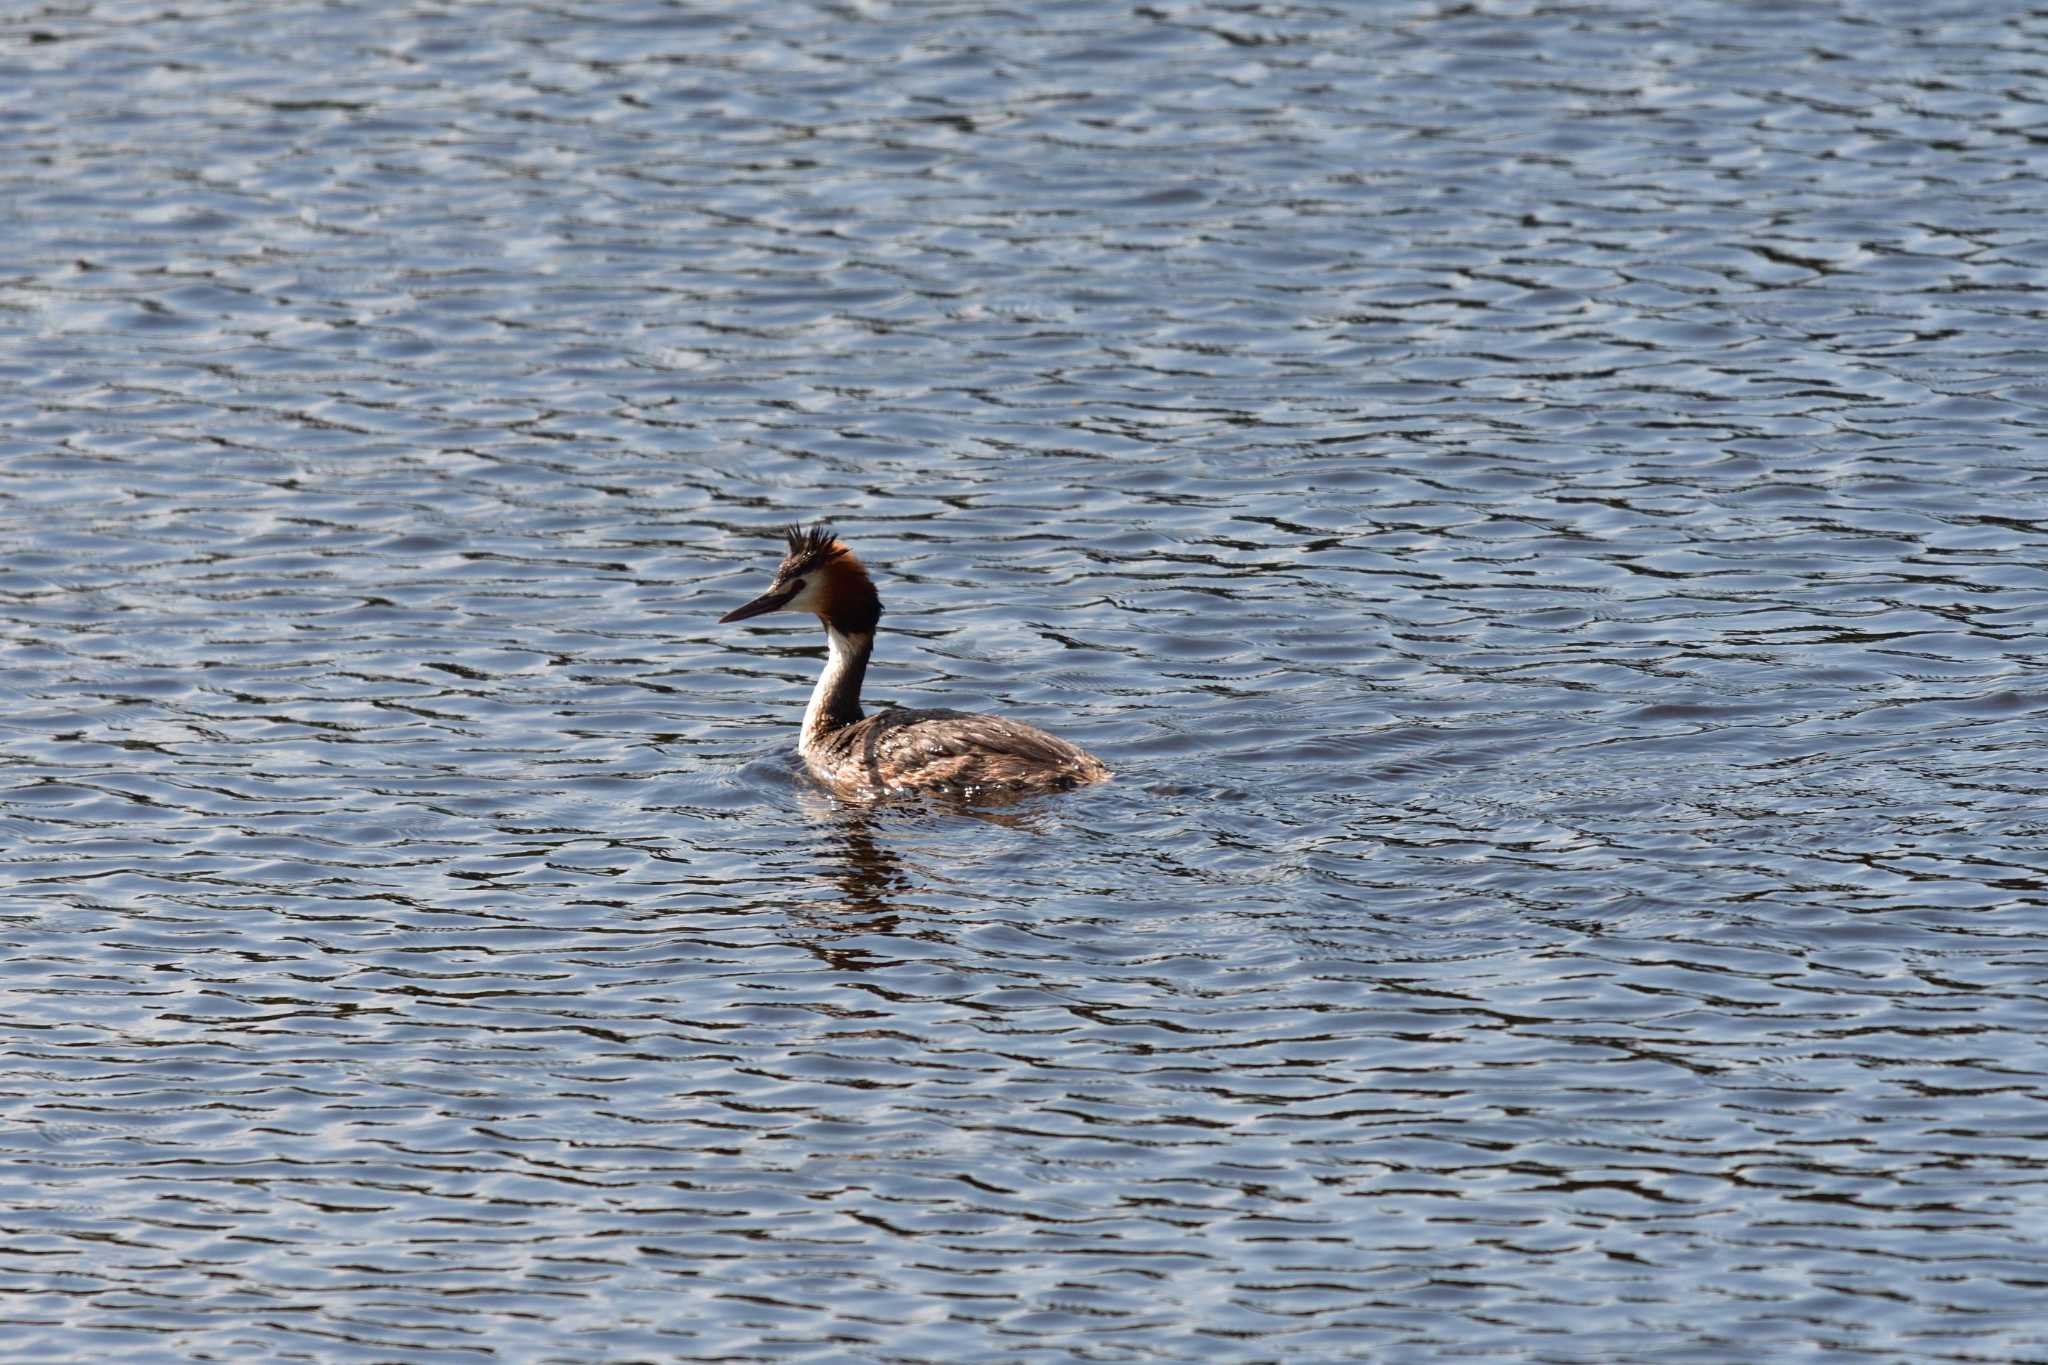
{"type": "Point", "coordinates": [961, 750]}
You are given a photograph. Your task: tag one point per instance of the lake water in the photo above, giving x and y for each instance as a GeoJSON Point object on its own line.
{"type": "Point", "coordinates": [1544, 507]}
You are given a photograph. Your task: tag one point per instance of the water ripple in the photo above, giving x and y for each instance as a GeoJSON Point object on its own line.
{"type": "Point", "coordinates": [1542, 509]}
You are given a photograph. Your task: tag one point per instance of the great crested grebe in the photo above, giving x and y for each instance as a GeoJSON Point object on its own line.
{"type": "Point", "coordinates": [896, 750]}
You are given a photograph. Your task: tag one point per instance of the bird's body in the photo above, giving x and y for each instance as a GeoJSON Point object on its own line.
{"type": "Point", "coordinates": [896, 750]}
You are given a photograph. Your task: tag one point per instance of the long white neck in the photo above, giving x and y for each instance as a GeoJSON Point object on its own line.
{"type": "Point", "coordinates": [835, 701]}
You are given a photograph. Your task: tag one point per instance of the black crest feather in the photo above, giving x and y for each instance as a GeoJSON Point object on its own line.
{"type": "Point", "coordinates": [810, 548]}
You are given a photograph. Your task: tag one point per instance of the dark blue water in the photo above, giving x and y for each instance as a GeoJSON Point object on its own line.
{"type": "Point", "coordinates": [1545, 508]}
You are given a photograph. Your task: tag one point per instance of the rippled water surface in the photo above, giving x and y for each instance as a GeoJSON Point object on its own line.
{"type": "Point", "coordinates": [1545, 508]}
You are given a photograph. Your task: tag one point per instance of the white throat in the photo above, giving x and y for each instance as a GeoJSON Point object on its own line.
{"type": "Point", "coordinates": [835, 701]}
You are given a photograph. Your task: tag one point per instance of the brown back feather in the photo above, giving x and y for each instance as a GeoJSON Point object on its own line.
{"type": "Point", "coordinates": [962, 750]}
